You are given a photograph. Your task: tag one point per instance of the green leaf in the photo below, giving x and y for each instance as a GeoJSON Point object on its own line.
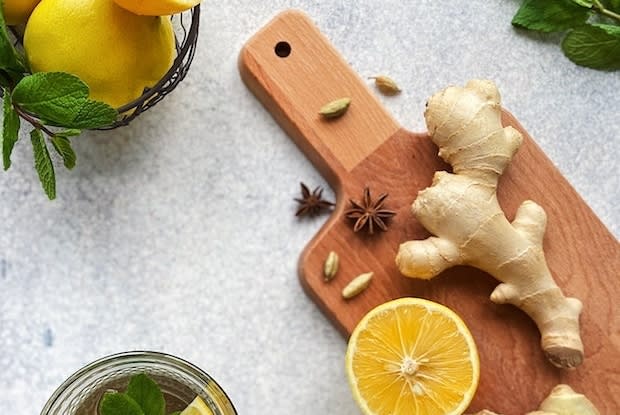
{"type": "Point", "coordinates": [5, 79]}
{"type": "Point", "coordinates": [94, 114]}
{"type": "Point", "coordinates": [114, 403]}
{"type": "Point", "coordinates": [43, 163]}
{"type": "Point", "coordinates": [614, 5]}
{"type": "Point", "coordinates": [62, 145]}
{"type": "Point", "coordinates": [10, 132]}
{"type": "Point", "coordinates": [610, 29]}
{"type": "Point", "coordinates": [550, 15]}
{"type": "Point", "coordinates": [61, 99]}
{"type": "Point", "coordinates": [53, 96]}
{"type": "Point", "coordinates": [71, 132]}
{"type": "Point", "coordinates": [594, 46]}
{"type": "Point", "coordinates": [584, 3]}
{"type": "Point", "coordinates": [147, 394]}
{"type": "Point", "coordinates": [10, 60]}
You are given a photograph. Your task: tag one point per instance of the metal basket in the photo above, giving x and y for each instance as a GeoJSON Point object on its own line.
{"type": "Point", "coordinates": [185, 26]}
{"type": "Point", "coordinates": [186, 36]}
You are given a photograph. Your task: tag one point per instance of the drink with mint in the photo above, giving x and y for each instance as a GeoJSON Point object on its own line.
{"type": "Point", "coordinates": [139, 383]}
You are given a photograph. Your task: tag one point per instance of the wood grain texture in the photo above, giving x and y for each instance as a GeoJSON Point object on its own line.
{"type": "Point", "coordinates": [354, 152]}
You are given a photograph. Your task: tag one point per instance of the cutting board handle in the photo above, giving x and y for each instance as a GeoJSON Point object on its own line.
{"type": "Point", "coordinates": [276, 65]}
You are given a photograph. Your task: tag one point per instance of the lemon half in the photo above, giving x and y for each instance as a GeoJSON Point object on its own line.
{"type": "Point", "coordinates": [412, 357]}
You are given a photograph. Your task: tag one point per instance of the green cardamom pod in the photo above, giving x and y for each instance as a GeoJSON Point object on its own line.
{"type": "Point", "coordinates": [335, 108]}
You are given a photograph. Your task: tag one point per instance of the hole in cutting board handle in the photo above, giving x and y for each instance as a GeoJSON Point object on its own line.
{"type": "Point", "coordinates": [283, 49]}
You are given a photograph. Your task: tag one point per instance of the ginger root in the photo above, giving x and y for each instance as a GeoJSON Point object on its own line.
{"type": "Point", "coordinates": [562, 400]}
{"type": "Point", "coordinates": [462, 211]}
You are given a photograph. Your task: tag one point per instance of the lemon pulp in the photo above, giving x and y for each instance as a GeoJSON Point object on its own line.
{"type": "Point", "coordinates": [412, 357]}
{"type": "Point", "coordinates": [197, 407]}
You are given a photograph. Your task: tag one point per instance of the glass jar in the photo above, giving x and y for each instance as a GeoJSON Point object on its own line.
{"type": "Point", "coordinates": [180, 381]}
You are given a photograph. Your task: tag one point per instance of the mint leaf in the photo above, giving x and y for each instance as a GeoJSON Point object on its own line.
{"type": "Point", "coordinates": [610, 29]}
{"type": "Point", "coordinates": [93, 114]}
{"type": "Point", "coordinates": [594, 46]}
{"type": "Point", "coordinates": [147, 394]}
{"type": "Point", "coordinates": [61, 99]}
{"type": "Point", "coordinates": [5, 79]}
{"type": "Point", "coordinates": [43, 163]}
{"type": "Point", "coordinates": [53, 96]}
{"type": "Point", "coordinates": [10, 132]}
{"type": "Point", "coordinates": [550, 15]}
{"type": "Point", "coordinates": [62, 145]}
{"type": "Point", "coordinates": [71, 132]}
{"type": "Point", "coordinates": [114, 403]}
{"type": "Point", "coordinates": [584, 3]}
{"type": "Point", "coordinates": [10, 60]}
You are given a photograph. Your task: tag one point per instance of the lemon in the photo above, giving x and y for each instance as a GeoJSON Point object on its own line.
{"type": "Point", "coordinates": [412, 357]}
{"type": "Point", "coordinates": [157, 7]}
{"type": "Point", "coordinates": [197, 407]}
{"type": "Point", "coordinates": [17, 11]}
{"type": "Point", "coordinates": [116, 53]}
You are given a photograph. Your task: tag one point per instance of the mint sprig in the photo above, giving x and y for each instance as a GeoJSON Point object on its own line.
{"type": "Point", "coordinates": [592, 26]}
{"type": "Point", "coordinates": [114, 403]}
{"type": "Point", "coordinates": [55, 104]}
{"type": "Point", "coordinates": [147, 394]}
{"type": "Point", "coordinates": [143, 397]}
{"type": "Point", "coordinates": [10, 129]}
{"type": "Point", "coordinates": [43, 163]}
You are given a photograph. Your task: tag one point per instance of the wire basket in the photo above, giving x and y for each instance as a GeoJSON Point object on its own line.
{"type": "Point", "coordinates": [186, 27]}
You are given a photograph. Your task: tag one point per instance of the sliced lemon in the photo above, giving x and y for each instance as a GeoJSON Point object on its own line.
{"type": "Point", "coordinates": [197, 407]}
{"type": "Point", "coordinates": [157, 7]}
{"type": "Point", "coordinates": [412, 357]}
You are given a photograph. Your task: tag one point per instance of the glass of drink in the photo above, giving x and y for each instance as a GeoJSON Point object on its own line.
{"type": "Point", "coordinates": [179, 381]}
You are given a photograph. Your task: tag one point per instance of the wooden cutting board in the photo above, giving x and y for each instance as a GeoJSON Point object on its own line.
{"type": "Point", "coordinates": [294, 70]}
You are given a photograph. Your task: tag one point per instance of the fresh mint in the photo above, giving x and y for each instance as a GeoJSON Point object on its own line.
{"type": "Point", "coordinates": [551, 15]}
{"type": "Point", "coordinates": [596, 46]}
{"type": "Point", "coordinates": [56, 104]}
{"type": "Point", "coordinates": [52, 95]}
{"type": "Point", "coordinates": [147, 394]}
{"type": "Point", "coordinates": [62, 145]}
{"type": "Point", "coordinates": [61, 99]}
{"type": "Point", "coordinates": [592, 26]}
{"type": "Point", "coordinates": [11, 62]}
{"type": "Point", "coordinates": [142, 397]}
{"type": "Point", "coordinates": [93, 114]}
{"type": "Point", "coordinates": [10, 131]}
{"type": "Point", "coordinates": [114, 403]}
{"type": "Point", "coordinates": [43, 163]}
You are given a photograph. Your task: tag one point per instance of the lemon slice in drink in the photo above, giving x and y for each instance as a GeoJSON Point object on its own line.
{"type": "Point", "coordinates": [197, 407]}
{"type": "Point", "coordinates": [412, 357]}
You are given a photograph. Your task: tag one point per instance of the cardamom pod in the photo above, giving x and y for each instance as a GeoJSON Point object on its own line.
{"type": "Point", "coordinates": [330, 268]}
{"type": "Point", "coordinates": [386, 85]}
{"type": "Point", "coordinates": [359, 284]}
{"type": "Point", "coordinates": [335, 108]}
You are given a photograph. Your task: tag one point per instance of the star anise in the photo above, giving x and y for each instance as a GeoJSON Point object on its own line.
{"type": "Point", "coordinates": [311, 203]}
{"type": "Point", "coordinates": [369, 213]}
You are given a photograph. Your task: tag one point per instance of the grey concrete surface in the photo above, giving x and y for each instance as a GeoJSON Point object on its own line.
{"type": "Point", "coordinates": [177, 233]}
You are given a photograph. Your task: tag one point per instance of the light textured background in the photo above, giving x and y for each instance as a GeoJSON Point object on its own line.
{"type": "Point", "coordinates": [177, 233]}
